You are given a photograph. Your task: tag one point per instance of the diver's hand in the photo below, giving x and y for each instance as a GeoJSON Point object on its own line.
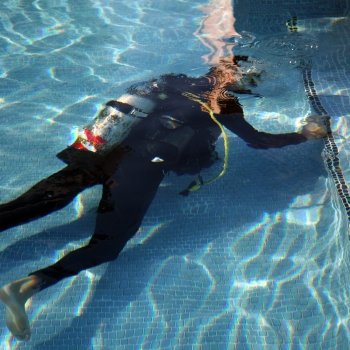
{"type": "Point", "coordinates": [315, 127]}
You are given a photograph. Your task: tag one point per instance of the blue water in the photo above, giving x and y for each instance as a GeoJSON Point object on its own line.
{"type": "Point", "coordinates": [258, 259]}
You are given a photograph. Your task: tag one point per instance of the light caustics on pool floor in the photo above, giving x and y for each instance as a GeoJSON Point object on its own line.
{"type": "Point", "coordinates": [257, 260]}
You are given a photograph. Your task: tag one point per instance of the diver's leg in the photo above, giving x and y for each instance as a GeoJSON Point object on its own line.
{"type": "Point", "coordinates": [48, 195]}
{"type": "Point", "coordinates": [126, 198]}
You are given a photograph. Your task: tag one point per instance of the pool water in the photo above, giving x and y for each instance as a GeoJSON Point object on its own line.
{"type": "Point", "coordinates": [257, 260]}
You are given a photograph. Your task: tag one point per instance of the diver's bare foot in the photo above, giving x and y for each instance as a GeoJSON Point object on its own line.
{"type": "Point", "coordinates": [14, 295]}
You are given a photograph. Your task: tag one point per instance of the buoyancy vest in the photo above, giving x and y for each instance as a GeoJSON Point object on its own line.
{"type": "Point", "coordinates": [164, 135]}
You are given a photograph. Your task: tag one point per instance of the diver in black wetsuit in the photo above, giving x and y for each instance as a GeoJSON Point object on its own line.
{"type": "Point", "coordinates": [174, 132]}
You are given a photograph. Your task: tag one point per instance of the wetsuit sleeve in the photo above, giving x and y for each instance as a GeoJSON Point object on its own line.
{"type": "Point", "coordinates": [258, 139]}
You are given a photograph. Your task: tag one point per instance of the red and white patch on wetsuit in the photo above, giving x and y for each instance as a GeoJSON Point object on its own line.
{"type": "Point", "coordinates": [88, 141]}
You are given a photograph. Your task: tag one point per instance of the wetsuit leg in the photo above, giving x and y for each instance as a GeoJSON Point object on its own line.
{"type": "Point", "coordinates": [126, 197]}
{"type": "Point", "coordinates": [48, 195]}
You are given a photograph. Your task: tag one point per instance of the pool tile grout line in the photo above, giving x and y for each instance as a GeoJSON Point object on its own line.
{"type": "Point", "coordinates": [330, 152]}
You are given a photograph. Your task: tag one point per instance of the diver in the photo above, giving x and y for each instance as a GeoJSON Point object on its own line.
{"type": "Point", "coordinates": [166, 124]}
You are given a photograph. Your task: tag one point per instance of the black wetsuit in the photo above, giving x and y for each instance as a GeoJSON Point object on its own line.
{"type": "Point", "coordinates": [185, 144]}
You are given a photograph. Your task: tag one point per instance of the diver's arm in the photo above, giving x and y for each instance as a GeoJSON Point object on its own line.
{"type": "Point", "coordinates": [258, 139]}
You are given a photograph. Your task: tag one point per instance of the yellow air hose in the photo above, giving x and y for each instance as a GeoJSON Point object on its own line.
{"type": "Point", "coordinates": [198, 183]}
